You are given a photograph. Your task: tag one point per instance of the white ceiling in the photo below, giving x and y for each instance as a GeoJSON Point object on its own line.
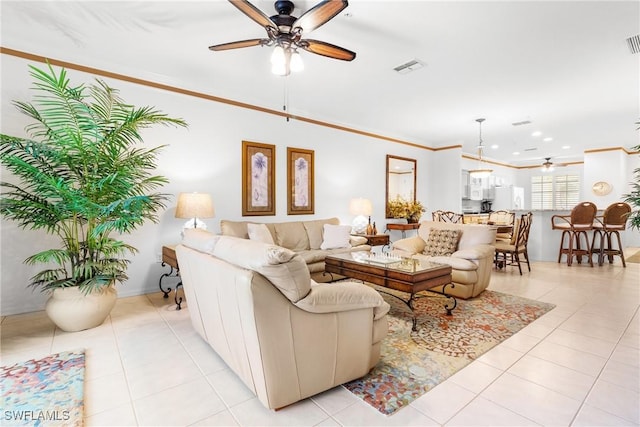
{"type": "Point", "coordinates": [563, 65]}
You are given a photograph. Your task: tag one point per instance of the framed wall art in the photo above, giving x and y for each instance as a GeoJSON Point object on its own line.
{"type": "Point", "coordinates": [258, 179]}
{"type": "Point", "coordinates": [300, 192]}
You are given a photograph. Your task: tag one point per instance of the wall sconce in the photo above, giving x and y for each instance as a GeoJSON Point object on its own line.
{"type": "Point", "coordinates": [195, 206]}
{"type": "Point", "coordinates": [362, 208]}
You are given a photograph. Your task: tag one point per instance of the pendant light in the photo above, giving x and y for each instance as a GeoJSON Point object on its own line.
{"type": "Point", "coordinates": [481, 172]}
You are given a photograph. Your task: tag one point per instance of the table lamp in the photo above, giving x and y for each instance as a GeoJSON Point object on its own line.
{"type": "Point", "coordinates": [362, 208]}
{"type": "Point", "coordinates": [195, 206]}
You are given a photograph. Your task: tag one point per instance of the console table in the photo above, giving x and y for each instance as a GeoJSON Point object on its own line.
{"type": "Point", "coordinates": [169, 258]}
{"type": "Point", "coordinates": [403, 227]}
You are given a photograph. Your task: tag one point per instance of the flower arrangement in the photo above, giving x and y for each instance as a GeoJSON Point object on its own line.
{"type": "Point", "coordinates": [409, 209]}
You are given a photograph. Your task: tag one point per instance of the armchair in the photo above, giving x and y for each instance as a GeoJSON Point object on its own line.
{"type": "Point", "coordinates": [470, 254]}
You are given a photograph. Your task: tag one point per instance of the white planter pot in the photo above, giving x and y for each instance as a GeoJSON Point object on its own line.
{"type": "Point", "coordinates": [71, 310]}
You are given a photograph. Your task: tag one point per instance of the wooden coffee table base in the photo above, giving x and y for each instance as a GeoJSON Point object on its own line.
{"type": "Point", "coordinates": [411, 277]}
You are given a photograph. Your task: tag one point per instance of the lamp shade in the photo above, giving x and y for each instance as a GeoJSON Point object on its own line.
{"type": "Point", "coordinates": [360, 206]}
{"type": "Point", "coordinates": [195, 205]}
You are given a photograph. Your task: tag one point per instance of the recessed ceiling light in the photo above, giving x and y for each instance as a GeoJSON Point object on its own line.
{"type": "Point", "coordinates": [495, 146]}
{"type": "Point", "coordinates": [548, 139]}
{"type": "Point", "coordinates": [566, 147]}
{"type": "Point", "coordinates": [516, 153]}
{"type": "Point", "coordinates": [536, 133]}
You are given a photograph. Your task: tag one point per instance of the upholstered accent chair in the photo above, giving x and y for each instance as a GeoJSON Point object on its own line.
{"type": "Point", "coordinates": [468, 248]}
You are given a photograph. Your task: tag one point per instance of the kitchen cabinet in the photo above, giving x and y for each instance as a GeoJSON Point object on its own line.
{"type": "Point", "coordinates": [464, 183]}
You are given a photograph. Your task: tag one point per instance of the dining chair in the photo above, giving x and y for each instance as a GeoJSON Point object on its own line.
{"type": "Point", "coordinates": [575, 227]}
{"type": "Point", "coordinates": [504, 218]}
{"type": "Point", "coordinates": [605, 227]}
{"type": "Point", "coordinates": [447, 216]}
{"type": "Point", "coordinates": [508, 253]}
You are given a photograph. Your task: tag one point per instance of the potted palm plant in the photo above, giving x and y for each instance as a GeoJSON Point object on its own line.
{"type": "Point", "coordinates": [83, 175]}
{"type": "Point", "coordinates": [633, 197]}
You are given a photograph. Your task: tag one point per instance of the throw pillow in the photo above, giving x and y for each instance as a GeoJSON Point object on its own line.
{"type": "Point", "coordinates": [442, 242]}
{"type": "Point", "coordinates": [259, 233]}
{"type": "Point", "coordinates": [336, 236]}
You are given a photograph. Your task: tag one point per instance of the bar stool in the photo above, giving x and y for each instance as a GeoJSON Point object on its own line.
{"type": "Point", "coordinates": [575, 226]}
{"type": "Point", "coordinates": [613, 221]}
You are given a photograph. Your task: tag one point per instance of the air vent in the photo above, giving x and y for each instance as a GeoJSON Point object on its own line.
{"type": "Point", "coordinates": [530, 149]}
{"type": "Point", "coordinates": [524, 122]}
{"type": "Point", "coordinates": [634, 43]}
{"type": "Point", "coordinates": [407, 67]}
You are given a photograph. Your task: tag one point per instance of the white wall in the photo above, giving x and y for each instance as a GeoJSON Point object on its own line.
{"type": "Point", "coordinates": [206, 157]}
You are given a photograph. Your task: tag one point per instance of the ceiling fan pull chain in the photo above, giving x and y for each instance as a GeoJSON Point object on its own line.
{"type": "Point", "coordinates": [286, 96]}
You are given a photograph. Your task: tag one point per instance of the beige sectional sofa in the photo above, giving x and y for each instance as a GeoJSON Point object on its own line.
{"type": "Point", "coordinates": [284, 335]}
{"type": "Point", "coordinates": [471, 259]}
{"type": "Point", "coordinates": [303, 237]}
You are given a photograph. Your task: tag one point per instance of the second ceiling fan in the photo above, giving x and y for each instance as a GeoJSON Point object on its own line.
{"type": "Point", "coordinates": [285, 33]}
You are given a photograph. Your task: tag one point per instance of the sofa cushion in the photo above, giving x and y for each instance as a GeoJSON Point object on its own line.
{"type": "Point", "coordinates": [314, 230]}
{"type": "Point", "coordinates": [442, 242]}
{"type": "Point", "coordinates": [259, 233]}
{"type": "Point", "coordinates": [336, 236]}
{"type": "Point", "coordinates": [343, 296]}
{"type": "Point", "coordinates": [234, 228]}
{"type": "Point", "coordinates": [411, 245]}
{"type": "Point", "coordinates": [472, 234]}
{"type": "Point", "coordinates": [313, 255]}
{"type": "Point", "coordinates": [200, 240]}
{"type": "Point", "coordinates": [282, 267]}
{"type": "Point", "coordinates": [357, 240]}
{"type": "Point", "coordinates": [460, 264]}
{"type": "Point", "coordinates": [291, 235]}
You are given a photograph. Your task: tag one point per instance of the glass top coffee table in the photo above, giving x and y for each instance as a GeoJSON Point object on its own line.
{"type": "Point", "coordinates": [406, 275]}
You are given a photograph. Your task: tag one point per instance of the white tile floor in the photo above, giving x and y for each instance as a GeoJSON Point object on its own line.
{"type": "Point", "coordinates": [577, 365]}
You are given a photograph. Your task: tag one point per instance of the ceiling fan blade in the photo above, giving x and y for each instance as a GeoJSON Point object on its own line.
{"type": "Point", "coordinates": [327, 49]}
{"type": "Point", "coordinates": [253, 12]}
{"type": "Point", "coordinates": [319, 14]}
{"type": "Point", "coordinates": [238, 44]}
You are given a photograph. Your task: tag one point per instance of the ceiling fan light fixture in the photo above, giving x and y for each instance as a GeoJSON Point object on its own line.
{"type": "Point", "coordinates": [296, 62]}
{"type": "Point", "coordinates": [278, 57]}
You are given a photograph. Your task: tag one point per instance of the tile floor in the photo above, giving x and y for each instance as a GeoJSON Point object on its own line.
{"type": "Point", "coordinates": [577, 365]}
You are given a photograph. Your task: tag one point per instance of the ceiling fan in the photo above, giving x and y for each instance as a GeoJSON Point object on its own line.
{"type": "Point", "coordinates": [285, 33]}
{"type": "Point", "coordinates": [548, 165]}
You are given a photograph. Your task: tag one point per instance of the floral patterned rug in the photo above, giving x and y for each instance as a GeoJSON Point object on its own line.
{"type": "Point", "coordinates": [413, 362]}
{"type": "Point", "coordinates": [44, 392]}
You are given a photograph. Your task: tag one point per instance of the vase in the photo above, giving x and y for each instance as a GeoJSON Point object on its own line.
{"type": "Point", "coordinates": [71, 310]}
{"type": "Point", "coordinates": [413, 219]}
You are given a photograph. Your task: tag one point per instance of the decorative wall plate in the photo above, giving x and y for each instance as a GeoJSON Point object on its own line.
{"type": "Point", "coordinates": [601, 188]}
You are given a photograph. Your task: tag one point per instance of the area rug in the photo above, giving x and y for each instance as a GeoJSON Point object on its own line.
{"type": "Point", "coordinates": [635, 258]}
{"type": "Point", "coordinates": [44, 392]}
{"type": "Point", "coordinates": [412, 363]}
